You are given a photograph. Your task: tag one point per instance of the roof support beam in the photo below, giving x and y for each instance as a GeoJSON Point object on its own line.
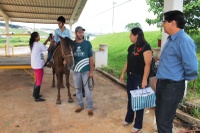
{"type": "Point", "coordinates": [30, 12]}
{"type": "Point", "coordinates": [71, 21]}
{"type": "Point", "coordinates": [5, 16]}
{"type": "Point", "coordinates": [18, 5]}
{"type": "Point", "coordinates": [43, 13]}
{"type": "Point", "coordinates": [38, 18]}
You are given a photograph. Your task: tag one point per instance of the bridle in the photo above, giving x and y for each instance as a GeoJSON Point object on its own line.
{"type": "Point", "coordinates": [66, 55]}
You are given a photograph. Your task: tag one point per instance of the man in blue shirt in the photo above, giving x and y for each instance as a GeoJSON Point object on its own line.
{"type": "Point", "coordinates": [61, 31]}
{"type": "Point", "coordinates": [178, 62]}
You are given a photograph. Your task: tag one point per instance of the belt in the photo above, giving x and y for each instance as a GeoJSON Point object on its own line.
{"type": "Point", "coordinates": [169, 80]}
{"type": "Point", "coordinates": [130, 72]}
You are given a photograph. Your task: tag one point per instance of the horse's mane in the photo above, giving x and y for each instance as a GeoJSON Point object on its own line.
{"type": "Point", "coordinates": [68, 40]}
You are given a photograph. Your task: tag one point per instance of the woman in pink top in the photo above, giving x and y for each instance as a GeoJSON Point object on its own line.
{"type": "Point", "coordinates": [37, 62]}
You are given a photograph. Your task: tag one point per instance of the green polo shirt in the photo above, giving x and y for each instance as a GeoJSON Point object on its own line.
{"type": "Point", "coordinates": [82, 52]}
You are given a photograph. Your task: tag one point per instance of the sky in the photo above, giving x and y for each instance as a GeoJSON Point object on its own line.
{"type": "Point", "coordinates": [97, 16]}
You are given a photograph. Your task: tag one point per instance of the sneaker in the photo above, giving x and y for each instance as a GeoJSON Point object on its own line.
{"type": "Point", "coordinates": [78, 110]}
{"type": "Point", "coordinates": [90, 112]}
{"type": "Point", "coordinates": [39, 99]}
{"type": "Point", "coordinates": [126, 123]}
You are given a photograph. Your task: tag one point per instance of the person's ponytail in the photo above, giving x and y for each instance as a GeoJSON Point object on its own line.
{"type": "Point", "coordinates": [34, 35]}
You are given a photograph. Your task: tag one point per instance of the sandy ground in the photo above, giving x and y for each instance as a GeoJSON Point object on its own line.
{"type": "Point", "coordinates": [19, 113]}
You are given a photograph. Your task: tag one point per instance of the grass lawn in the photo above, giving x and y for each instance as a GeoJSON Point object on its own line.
{"type": "Point", "coordinates": [17, 41]}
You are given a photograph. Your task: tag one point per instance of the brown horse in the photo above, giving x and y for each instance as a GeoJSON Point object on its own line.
{"type": "Point", "coordinates": [63, 52]}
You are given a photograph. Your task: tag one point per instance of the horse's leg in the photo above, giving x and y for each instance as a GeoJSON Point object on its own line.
{"type": "Point", "coordinates": [67, 72]}
{"type": "Point", "coordinates": [53, 81]}
{"type": "Point", "coordinates": [61, 82]}
{"type": "Point", "coordinates": [58, 75]}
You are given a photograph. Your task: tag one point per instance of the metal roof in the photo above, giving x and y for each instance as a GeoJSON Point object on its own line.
{"type": "Point", "coordinates": [41, 11]}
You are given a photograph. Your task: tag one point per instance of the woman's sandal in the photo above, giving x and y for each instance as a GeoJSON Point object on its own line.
{"type": "Point", "coordinates": [133, 130]}
{"type": "Point", "coordinates": [124, 123]}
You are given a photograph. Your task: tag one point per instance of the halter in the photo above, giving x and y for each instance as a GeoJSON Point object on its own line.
{"type": "Point", "coordinates": [63, 53]}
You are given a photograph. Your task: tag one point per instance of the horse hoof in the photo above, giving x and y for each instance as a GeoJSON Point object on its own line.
{"type": "Point", "coordinates": [71, 100]}
{"type": "Point", "coordinates": [58, 102]}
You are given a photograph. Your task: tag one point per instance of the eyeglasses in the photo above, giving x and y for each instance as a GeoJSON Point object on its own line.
{"type": "Point", "coordinates": [163, 21]}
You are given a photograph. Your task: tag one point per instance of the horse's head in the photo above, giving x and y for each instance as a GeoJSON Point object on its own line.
{"type": "Point", "coordinates": [67, 53]}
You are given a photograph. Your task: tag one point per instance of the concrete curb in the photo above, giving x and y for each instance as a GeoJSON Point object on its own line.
{"type": "Point", "coordinates": [111, 77]}
{"type": "Point", "coordinates": [181, 115]}
{"type": "Point", "coordinates": [187, 118]}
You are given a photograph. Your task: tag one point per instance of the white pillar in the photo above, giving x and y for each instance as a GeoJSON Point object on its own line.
{"type": "Point", "coordinates": [7, 38]}
{"type": "Point", "coordinates": [186, 84]}
{"type": "Point", "coordinates": [170, 5]}
{"type": "Point", "coordinates": [33, 26]}
{"type": "Point", "coordinates": [70, 30]}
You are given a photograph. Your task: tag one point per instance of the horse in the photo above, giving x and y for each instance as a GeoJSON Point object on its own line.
{"type": "Point", "coordinates": [63, 52]}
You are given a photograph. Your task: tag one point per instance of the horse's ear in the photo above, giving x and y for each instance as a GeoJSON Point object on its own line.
{"type": "Point", "coordinates": [61, 38]}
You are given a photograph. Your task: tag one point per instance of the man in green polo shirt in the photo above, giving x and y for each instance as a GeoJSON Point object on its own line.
{"type": "Point", "coordinates": [83, 70]}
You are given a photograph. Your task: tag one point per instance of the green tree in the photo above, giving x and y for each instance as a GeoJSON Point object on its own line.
{"type": "Point", "coordinates": [191, 11]}
{"type": "Point", "coordinates": [132, 25]}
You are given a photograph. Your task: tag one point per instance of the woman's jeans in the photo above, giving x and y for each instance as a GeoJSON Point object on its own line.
{"type": "Point", "coordinates": [133, 81]}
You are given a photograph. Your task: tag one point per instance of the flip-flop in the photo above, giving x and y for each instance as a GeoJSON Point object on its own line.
{"type": "Point", "coordinates": [133, 130]}
{"type": "Point", "coordinates": [124, 123]}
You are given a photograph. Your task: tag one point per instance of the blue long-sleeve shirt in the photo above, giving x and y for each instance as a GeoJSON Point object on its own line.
{"type": "Point", "coordinates": [63, 34]}
{"type": "Point", "coordinates": [178, 59]}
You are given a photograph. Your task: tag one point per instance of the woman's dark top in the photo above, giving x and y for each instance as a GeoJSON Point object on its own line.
{"type": "Point", "coordinates": [135, 59]}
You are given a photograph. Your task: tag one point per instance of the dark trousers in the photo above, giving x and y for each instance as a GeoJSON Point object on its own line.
{"type": "Point", "coordinates": [133, 81]}
{"type": "Point", "coordinates": [168, 95]}
{"type": "Point", "coordinates": [50, 53]}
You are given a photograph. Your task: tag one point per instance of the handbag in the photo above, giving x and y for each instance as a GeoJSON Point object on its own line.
{"type": "Point", "coordinates": [153, 67]}
{"type": "Point", "coordinates": [142, 98]}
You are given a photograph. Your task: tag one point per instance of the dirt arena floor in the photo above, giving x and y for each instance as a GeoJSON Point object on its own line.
{"type": "Point", "coordinates": [19, 113]}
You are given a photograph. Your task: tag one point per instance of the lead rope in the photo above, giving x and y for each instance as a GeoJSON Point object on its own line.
{"type": "Point", "coordinates": [90, 82]}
